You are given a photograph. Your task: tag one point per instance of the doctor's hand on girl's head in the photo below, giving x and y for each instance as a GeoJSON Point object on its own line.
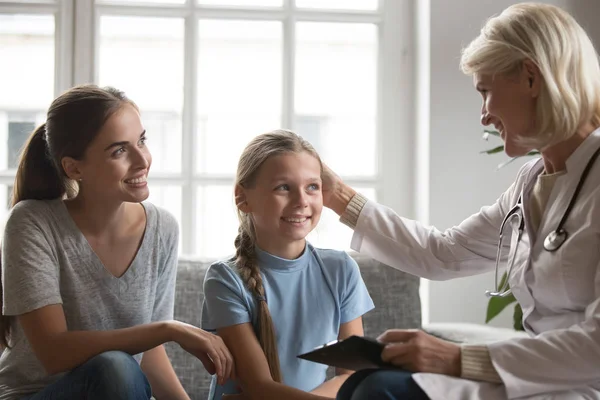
{"type": "Point", "coordinates": [336, 194]}
{"type": "Point", "coordinates": [330, 181]}
{"type": "Point", "coordinates": [418, 351]}
{"type": "Point", "coordinates": [207, 347]}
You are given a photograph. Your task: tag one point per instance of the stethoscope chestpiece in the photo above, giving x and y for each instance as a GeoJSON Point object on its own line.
{"type": "Point", "coordinates": [555, 239]}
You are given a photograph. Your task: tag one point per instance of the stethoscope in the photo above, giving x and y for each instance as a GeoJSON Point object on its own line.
{"type": "Point", "coordinates": [552, 242]}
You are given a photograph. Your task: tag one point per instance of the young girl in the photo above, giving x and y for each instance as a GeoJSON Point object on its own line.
{"type": "Point", "coordinates": [279, 296]}
{"type": "Point", "coordinates": [88, 271]}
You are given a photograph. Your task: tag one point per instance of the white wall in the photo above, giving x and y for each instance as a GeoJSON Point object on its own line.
{"type": "Point", "coordinates": [460, 179]}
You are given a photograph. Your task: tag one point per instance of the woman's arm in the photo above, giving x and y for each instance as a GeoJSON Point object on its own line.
{"type": "Point", "coordinates": [163, 380]}
{"type": "Point", "coordinates": [252, 368]}
{"type": "Point", "coordinates": [331, 387]}
{"type": "Point", "coordinates": [61, 350]}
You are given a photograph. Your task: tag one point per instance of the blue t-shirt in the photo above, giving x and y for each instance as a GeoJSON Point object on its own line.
{"type": "Point", "coordinates": [308, 299]}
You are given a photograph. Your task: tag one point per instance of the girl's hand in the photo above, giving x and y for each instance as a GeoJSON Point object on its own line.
{"type": "Point", "coordinates": [207, 347]}
{"type": "Point", "coordinates": [417, 351]}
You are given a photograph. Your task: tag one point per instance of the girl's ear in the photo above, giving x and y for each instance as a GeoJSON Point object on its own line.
{"type": "Point", "coordinates": [71, 168]}
{"type": "Point", "coordinates": [240, 199]}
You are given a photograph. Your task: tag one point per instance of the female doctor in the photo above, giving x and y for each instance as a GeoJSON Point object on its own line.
{"type": "Point", "coordinates": [538, 74]}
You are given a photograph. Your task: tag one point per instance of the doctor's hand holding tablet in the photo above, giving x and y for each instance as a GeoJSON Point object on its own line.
{"type": "Point", "coordinates": [539, 79]}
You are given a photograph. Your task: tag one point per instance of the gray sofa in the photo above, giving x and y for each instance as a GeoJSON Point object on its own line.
{"type": "Point", "coordinates": [395, 294]}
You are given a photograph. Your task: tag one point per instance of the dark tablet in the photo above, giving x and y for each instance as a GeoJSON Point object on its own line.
{"type": "Point", "coordinates": [354, 353]}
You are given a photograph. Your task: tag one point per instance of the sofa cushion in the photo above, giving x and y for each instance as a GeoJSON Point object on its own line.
{"type": "Point", "coordinates": [188, 306]}
{"type": "Point", "coordinates": [395, 294]}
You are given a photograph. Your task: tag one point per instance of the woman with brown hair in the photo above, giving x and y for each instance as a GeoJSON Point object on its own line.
{"type": "Point", "coordinates": [88, 266]}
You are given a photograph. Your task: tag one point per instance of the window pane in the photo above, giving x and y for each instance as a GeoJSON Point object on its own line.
{"type": "Point", "coordinates": [338, 4]}
{"type": "Point", "coordinates": [336, 86]}
{"type": "Point", "coordinates": [142, 1]}
{"type": "Point", "coordinates": [5, 192]}
{"type": "Point", "coordinates": [331, 233]}
{"type": "Point", "coordinates": [246, 3]}
{"type": "Point", "coordinates": [169, 198]}
{"type": "Point", "coordinates": [144, 58]}
{"type": "Point", "coordinates": [27, 84]}
{"type": "Point", "coordinates": [239, 89]}
{"type": "Point", "coordinates": [216, 221]}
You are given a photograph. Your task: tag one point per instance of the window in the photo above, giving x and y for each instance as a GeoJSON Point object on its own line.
{"type": "Point", "coordinates": [31, 37]}
{"type": "Point", "coordinates": [208, 75]}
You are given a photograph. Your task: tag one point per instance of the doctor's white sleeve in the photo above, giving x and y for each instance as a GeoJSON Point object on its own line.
{"type": "Point", "coordinates": [467, 249]}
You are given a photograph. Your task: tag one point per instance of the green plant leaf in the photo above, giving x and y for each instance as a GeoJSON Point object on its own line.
{"type": "Point", "coordinates": [488, 132]}
{"type": "Point", "coordinates": [518, 318]}
{"type": "Point", "coordinates": [495, 150]}
{"type": "Point", "coordinates": [503, 279]}
{"type": "Point", "coordinates": [497, 304]}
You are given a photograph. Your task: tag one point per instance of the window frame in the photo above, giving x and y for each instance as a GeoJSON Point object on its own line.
{"type": "Point", "coordinates": [63, 11]}
{"type": "Point", "coordinates": [77, 48]}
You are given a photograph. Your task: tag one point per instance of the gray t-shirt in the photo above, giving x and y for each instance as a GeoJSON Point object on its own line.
{"type": "Point", "coordinates": [47, 260]}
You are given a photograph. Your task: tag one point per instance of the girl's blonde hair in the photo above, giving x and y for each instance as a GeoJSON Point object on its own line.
{"type": "Point", "coordinates": [253, 157]}
{"type": "Point", "coordinates": [552, 39]}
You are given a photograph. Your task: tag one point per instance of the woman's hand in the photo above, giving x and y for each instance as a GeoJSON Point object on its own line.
{"type": "Point", "coordinates": [207, 347]}
{"type": "Point", "coordinates": [417, 351]}
{"type": "Point", "coordinates": [336, 194]}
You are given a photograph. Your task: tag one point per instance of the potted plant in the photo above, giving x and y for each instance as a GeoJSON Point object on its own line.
{"type": "Point", "coordinates": [497, 304]}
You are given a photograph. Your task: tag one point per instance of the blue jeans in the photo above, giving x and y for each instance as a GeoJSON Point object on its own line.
{"type": "Point", "coordinates": [112, 375]}
{"type": "Point", "coordinates": [381, 384]}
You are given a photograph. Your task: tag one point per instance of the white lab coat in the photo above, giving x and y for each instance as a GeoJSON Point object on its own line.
{"type": "Point", "coordinates": [559, 292]}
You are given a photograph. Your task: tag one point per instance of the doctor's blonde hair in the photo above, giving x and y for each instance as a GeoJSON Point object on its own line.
{"type": "Point", "coordinates": [552, 39]}
{"type": "Point", "coordinates": [259, 150]}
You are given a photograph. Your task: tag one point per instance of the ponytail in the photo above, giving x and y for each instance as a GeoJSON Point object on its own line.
{"type": "Point", "coordinates": [245, 259]}
{"type": "Point", "coordinates": [37, 176]}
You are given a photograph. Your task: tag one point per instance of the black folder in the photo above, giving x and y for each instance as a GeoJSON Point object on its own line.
{"type": "Point", "coordinates": [354, 353]}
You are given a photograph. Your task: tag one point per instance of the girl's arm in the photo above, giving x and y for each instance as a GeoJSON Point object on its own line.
{"type": "Point", "coordinates": [331, 387]}
{"type": "Point", "coordinates": [163, 380]}
{"type": "Point", "coordinates": [252, 368]}
{"type": "Point", "coordinates": [61, 350]}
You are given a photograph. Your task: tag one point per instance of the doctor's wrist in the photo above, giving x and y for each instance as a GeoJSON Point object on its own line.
{"type": "Point", "coordinates": [476, 364]}
{"type": "Point", "coordinates": [352, 210]}
{"type": "Point", "coordinates": [341, 196]}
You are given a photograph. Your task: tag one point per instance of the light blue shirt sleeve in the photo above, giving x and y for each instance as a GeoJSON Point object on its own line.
{"type": "Point", "coordinates": [225, 302]}
{"type": "Point", "coordinates": [355, 300]}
